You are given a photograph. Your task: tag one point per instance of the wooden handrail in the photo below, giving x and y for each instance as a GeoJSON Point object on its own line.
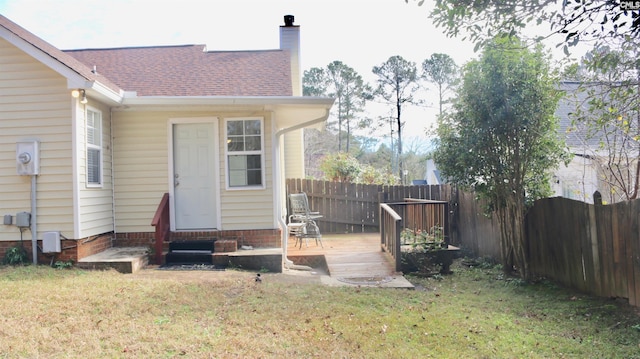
{"type": "Point", "coordinates": [157, 217]}
{"type": "Point", "coordinates": [161, 220]}
{"type": "Point", "coordinates": [390, 228]}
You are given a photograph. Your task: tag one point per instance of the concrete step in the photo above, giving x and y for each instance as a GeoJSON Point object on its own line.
{"type": "Point", "coordinates": [122, 259]}
{"type": "Point", "coordinates": [203, 245]}
{"type": "Point", "coordinates": [186, 256]}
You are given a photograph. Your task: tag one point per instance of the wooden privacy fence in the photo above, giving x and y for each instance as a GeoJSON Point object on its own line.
{"type": "Point", "coordinates": [354, 208]}
{"type": "Point", "coordinates": [593, 248]}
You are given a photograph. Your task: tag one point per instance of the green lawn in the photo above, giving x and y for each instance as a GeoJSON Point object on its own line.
{"type": "Point", "coordinates": [474, 313]}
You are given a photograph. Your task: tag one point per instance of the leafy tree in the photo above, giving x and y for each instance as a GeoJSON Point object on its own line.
{"type": "Point", "coordinates": [314, 82]}
{"type": "Point", "coordinates": [380, 158]}
{"type": "Point", "coordinates": [500, 138]}
{"type": "Point", "coordinates": [610, 114]}
{"type": "Point", "coordinates": [441, 70]}
{"type": "Point", "coordinates": [343, 167]}
{"type": "Point", "coordinates": [575, 20]}
{"type": "Point", "coordinates": [372, 175]}
{"type": "Point", "coordinates": [415, 158]}
{"type": "Point", "coordinates": [340, 167]}
{"type": "Point", "coordinates": [347, 86]}
{"type": "Point", "coordinates": [397, 82]}
{"type": "Point", "coordinates": [316, 145]}
{"type": "Point", "coordinates": [351, 94]}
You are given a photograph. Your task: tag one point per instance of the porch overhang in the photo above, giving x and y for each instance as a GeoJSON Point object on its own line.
{"type": "Point", "coordinates": [291, 111]}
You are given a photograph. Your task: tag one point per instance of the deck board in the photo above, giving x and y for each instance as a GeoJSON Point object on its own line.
{"type": "Point", "coordinates": [349, 255]}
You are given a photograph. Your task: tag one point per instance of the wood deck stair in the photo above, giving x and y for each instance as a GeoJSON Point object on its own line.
{"type": "Point", "coordinates": [353, 259]}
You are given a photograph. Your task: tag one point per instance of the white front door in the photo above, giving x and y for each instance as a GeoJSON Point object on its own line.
{"type": "Point", "coordinates": [194, 182]}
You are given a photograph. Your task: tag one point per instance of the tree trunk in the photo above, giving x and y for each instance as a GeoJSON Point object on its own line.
{"type": "Point", "coordinates": [512, 241]}
{"type": "Point", "coordinates": [400, 165]}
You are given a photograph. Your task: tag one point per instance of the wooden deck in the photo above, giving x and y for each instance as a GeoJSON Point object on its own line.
{"type": "Point", "coordinates": [352, 259]}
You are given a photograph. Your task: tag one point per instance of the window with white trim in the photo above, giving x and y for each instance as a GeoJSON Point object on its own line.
{"type": "Point", "coordinates": [245, 152]}
{"type": "Point", "coordinates": [94, 148]}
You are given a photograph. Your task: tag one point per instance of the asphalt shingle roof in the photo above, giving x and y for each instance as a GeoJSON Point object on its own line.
{"type": "Point", "coordinates": [187, 70]}
{"type": "Point", "coordinates": [190, 70]}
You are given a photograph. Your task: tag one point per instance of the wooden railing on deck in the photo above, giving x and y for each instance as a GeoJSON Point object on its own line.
{"type": "Point", "coordinates": [424, 215]}
{"type": "Point", "coordinates": [161, 220]}
{"type": "Point", "coordinates": [390, 228]}
{"type": "Point", "coordinates": [412, 214]}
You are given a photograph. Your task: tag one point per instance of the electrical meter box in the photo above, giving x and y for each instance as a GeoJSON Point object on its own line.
{"type": "Point", "coordinates": [28, 158]}
{"type": "Point", "coordinates": [23, 219]}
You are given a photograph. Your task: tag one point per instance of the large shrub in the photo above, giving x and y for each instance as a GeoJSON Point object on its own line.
{"type": "Point", "coordinates": [340, 167]}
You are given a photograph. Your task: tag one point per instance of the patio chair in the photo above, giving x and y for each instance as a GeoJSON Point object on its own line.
{"type": "Point", "coordinates": [302, 222]}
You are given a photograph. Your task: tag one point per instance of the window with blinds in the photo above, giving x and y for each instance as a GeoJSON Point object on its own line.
{"type": "Point", "coordinates": [94, 148]}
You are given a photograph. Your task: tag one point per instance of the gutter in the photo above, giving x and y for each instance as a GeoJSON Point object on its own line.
{"type": "Point", "coordinates": [287, 263]}
{"type": "Point", "coordinates": [131, 99]}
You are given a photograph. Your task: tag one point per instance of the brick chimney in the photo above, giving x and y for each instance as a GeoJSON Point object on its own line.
{"type": "Point", "coordinates": [290, 40]}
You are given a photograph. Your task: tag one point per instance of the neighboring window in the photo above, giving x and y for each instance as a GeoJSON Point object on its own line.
{"type": "Point", "coordinates": [94, 148]}
{"type": "Point", "coordinates": [244, 152]}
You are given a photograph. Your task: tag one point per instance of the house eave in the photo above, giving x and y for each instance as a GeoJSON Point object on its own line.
{"type": "Point", "coordinates": [74, 79]}
{"type": "Point", "coordinates": [103, 93]}
{"type": "Point", "coordinates": [291, 109]}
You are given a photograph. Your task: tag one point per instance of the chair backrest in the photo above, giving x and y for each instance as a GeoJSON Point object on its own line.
{"type": "Point", "coordinates": [299, 204]}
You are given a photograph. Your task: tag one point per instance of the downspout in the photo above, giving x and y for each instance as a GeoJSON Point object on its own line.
{"type": "Point", "coordinates": [113, 176]}
{"type": "Point", "coordinates": [34, 226]}
{"type": "Point", "coordinates": [287, 263]}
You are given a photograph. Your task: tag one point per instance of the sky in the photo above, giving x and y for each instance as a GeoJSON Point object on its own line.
{"type": "Point", "coordinates": [360, 33]}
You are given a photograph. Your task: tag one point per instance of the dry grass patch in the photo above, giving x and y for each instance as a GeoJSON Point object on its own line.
{"type": "Point", "coordinates": [48, 313]}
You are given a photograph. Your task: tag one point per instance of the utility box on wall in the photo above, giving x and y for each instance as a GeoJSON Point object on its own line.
{"type": "Point", "coordinates": [51, 242]}
{"type": "Point", "coordinates": [28, 158]}
{"type": "Point", "coordinates": [23, 219]}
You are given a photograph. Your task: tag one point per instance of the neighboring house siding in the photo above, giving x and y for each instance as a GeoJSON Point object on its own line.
{"type": "Point", "coordinates": [35, 105]}
{"type": "Point", "coordinates": [141, 167]}
{"type": "Point", "coordinates": [578, 180]}
{"type": "Point", "coordinates": [95, 203]}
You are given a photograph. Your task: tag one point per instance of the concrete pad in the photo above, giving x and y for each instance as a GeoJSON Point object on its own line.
{"type": "Point", "coordinates": [122, 259]}
{"type": "Point", "coordinates": [396, 281]}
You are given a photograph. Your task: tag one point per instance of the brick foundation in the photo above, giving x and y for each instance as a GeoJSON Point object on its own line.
{"type": "Point", "coordinates": [225, 245]}
{"type": "Point", "coordinates": [73, 250]}
{"type": "Point", "coordinates": [257, 238]}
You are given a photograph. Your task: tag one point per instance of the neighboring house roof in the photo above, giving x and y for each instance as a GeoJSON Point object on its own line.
{"type": "Point", "coordinates": [50, 50]}
{"type": "Point", "coordinates": [190, 70]}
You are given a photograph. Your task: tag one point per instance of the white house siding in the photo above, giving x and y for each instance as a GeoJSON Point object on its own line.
{"type": "Point", "coordinates": [294, 149]}
{"type": "Point", "coordinates": [141, 170]}
{"type": "Point", "coordinates": [248, 209]}
{"type": "Point", "coordinates": [95, 204]}
{"type": "Point", "coordinates": [35, 105]}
